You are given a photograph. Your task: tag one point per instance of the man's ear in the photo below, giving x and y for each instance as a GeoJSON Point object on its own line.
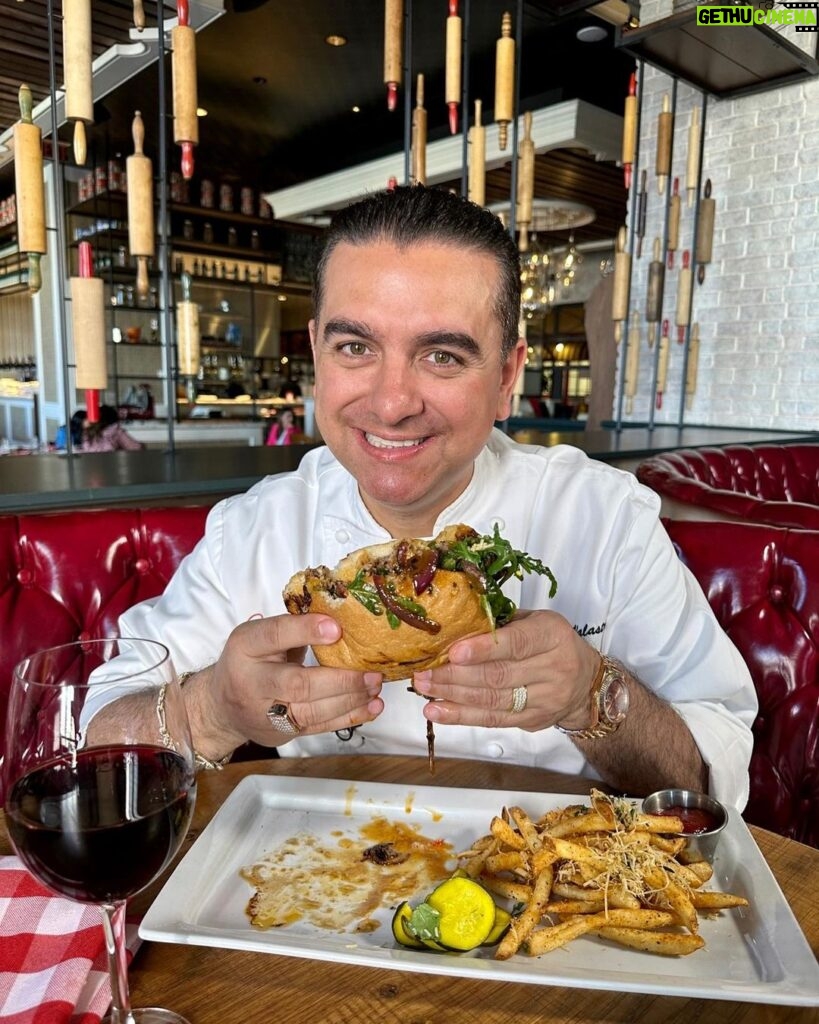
{"type": "Point", "coordinates": [511, 371]}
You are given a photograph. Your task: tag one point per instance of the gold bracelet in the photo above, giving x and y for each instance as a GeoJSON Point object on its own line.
{"type": "Point", "coordinates": [199, 759]}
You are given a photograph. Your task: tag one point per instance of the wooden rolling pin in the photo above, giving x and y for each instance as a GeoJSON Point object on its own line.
{"type": "Point", "coordinates": [705, 231]}
{"type": "Point", "coordinates": [29, 189]}
{"type": "Point", "coordinates": [662, 364]}
{"type": "Point", "coordinates": [684, 287]}
{"type": "Point", "coordinates": [477, 159]}
{"type": "Point", "coordinates": [140, 206]}
{"type": "Point", "coordinates": [77, 56]}
{"type": "Point", "coordinates": [622, 283]}
{"type": "Point", "coordinates": [630, 130]}
{"type": "Point", "coordinates": [673, 223]}
{"type": "Point", "coordinates": [504, 79]}
{"type": "Point", "coordinates": [692, 166]}
{"type": "Point", "coordinates": [526, 183]}
{"type": "Point", "coordinates": [419, 135]}
{"type": "Point", "coordinates": [665, 136]}
{"type": "Point", "coordinates": [393, 49]}
{"type": "Point", "coordinates": [88, 332]}
{"type": "Point", "coordinates": [187, 331]}
{"type": "Point", "coordinates": [654, 294]}
{"type": "Point", "coordinates": [632, 361]}
{"type": "Point", "coordinates": [185, 103]}
{"type": "Point", "coordinates": [139, 15]}
{"type": "Point", "coordinates": [452, 88]}
{"type": "Point", "coordinates": [693, 365]}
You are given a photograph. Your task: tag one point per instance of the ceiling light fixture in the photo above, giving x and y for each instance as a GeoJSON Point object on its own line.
{"type": "Point", "coordinates": [591, 33]}
{"type": "Point", "coordinates": [201, 112]}
{"type": "Point", "coordinates": [356, 109]}
{"type": "Point", "coordinates": [335, 40]}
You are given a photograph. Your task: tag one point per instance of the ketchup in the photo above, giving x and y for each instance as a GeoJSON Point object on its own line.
{"type": "Point", "coordinates": [695, 820]}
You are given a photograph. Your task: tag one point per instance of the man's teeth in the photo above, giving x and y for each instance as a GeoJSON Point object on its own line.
{"type": "Point", "coordinates": [382, 442]}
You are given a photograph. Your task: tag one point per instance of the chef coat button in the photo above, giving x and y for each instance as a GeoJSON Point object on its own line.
{"type": "Point", "coordinates": [494, 750]}
{"type": "Point", "coordinates": [342, 536]}
{"type": "Point", "coordinates": [500, 523]}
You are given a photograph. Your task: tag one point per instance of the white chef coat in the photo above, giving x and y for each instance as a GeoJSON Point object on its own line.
{"type": "Point", "coordinates": [620, 584]}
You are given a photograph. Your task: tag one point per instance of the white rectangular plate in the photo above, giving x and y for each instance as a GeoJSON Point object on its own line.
{"type": "Point", "coordinates": [754, 954]}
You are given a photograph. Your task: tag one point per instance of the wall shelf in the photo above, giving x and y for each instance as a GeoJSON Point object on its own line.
{"type": "Point", "coordinates": [724, 61]}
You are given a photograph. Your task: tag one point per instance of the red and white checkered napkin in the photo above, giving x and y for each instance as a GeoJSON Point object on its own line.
{"type": "Point", "coordinates": [53, 964]}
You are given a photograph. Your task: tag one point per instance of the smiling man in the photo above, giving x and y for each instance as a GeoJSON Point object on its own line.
{"type": "Point", "coordinates": [624, 675]}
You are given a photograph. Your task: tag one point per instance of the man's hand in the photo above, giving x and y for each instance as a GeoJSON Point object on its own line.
{"type": "Point", "coordinates": [538, 650]}
{"type": "Point", "coordinates": [261, 665]}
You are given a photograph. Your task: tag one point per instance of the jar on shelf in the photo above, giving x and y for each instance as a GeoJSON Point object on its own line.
{"type": "Point", "coordinates": [187, 229]}
{"type": "Point", "coordinates": [233, 238]}
{"type": "Point", "coordinates": [246, 196]}
{"type": "Point", "coordinates": [206, 194]}
{"type": "Point", "coordinates": [207, 233]}
{"type": "Point", "coordinates": [226, 198]}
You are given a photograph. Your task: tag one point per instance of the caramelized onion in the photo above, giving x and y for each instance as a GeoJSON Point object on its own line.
{"type": "Point", "coordinates": [404, 614]}
{"type": "Point", "coordinates": [425, 567]}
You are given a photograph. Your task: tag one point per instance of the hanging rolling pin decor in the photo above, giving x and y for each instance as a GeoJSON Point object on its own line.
{"type": "Point", "coordinates": [79, 91]}
{"type": "Point", "coordinates": [29, 189]}
{"type": "Point", "coordinates": [665, 135]}
{"type": "Point", "coordinates": [504, 80]}
{"type": "Point", "coordinates": [419, 135]}
{"type": "Point", "coordinates": [621, 285]}
{"type": "Point", "coordinates": [393, 49]}
{"type": "Point", "coordinates": [88, 331]}
{"type": "Point", "coordinates": [629, 150]}
{"type": "Point", "coordinates": [140, 206]}
{"type": "Point", "coordinates": [452, 88]}
{"type": "Point", "coordinates": [705, 231]}
{"type": "Point", "coordinates": [674, 206]}
{"type": "Point", "coordinates": [185, 120]}
{"type": "Point", "coordinates": [187, 330]}
{"type": "Point", "coordinates": [477, 159]}
{"type": "Point", "coordinates": [139, 15]}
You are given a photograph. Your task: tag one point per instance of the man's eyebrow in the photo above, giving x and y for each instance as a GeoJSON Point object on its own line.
{"type": "Point", "coordinates": [349, 327]}
{"type": "Point", "coordinates": [451, 339]}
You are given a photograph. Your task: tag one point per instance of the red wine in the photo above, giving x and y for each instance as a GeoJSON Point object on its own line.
{"type": "Point", "coordinates": [101, 828]}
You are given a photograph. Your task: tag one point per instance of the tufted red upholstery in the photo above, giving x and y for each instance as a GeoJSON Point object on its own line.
{"type": "Point", "coordinates": [68, 575]}
{"type": "Point", "coordinates": [763, 584]}
{"type": "Point", "coordinates": [776, 484]}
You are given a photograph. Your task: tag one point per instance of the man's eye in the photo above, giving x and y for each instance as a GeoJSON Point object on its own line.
{"type": "Point", "coordinates": [354, 348]}
{"type": "Point", "coordinates": [443, 359]}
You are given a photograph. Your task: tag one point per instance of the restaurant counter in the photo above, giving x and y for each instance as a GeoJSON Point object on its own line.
{"type": "Point", "coordinates": [51, 481]}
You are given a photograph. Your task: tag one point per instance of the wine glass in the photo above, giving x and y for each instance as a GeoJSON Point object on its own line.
{"type": "Point", "coordinates": [99, 781]}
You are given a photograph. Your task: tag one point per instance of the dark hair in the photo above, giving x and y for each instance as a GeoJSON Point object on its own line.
{"type": "Point", "coordinates": [108, 415]}
{"type": "Point", "coordinates": [407, 215]}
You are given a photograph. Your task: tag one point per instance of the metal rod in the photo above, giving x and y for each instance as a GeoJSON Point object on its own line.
{"type": "Point", "coordinates": [407, 89]}
{"type": "Point", "coordinates": [635, 169]}
{"type": "Point", "coordinates": [465, 100]}
{"type": "Point", "coordinates": [686, 346]}
{"type": "Point", "coordinates": [165, 323]}
{"type": "Point", "coordinates": [61, 254]}
{"type": "Point", "coordinates": [513, 177]}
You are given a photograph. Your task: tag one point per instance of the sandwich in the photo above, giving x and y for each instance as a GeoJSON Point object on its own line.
{"type": "Point", "coordinates": [403, 604]}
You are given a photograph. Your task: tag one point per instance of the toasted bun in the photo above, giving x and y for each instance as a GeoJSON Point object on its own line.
{"type": "Point", "coordinates": [368, 642]}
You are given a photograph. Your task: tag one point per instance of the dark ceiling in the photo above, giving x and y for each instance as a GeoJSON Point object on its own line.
{"type": "Point", "coordinates": [280, 100]}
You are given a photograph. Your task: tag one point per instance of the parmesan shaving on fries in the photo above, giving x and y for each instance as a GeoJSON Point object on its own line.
{"type": "Point", "coordinates": [606, 869]}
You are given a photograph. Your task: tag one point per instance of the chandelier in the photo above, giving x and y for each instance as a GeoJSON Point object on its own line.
{"type": "Point", "coordinates": [537, 280]}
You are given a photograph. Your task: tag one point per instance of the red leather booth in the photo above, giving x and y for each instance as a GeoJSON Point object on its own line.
{"type": "Point", "coordinates": [776, 484]}
{"type": "Point", "coordinates": [67, 575]}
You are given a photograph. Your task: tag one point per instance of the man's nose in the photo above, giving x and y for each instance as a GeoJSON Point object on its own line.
{"type": "Point", "coordinates": [396, 393]}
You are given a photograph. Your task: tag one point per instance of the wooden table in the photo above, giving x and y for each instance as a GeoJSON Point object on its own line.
{"type": "Point", "coordinates": [213, 986]}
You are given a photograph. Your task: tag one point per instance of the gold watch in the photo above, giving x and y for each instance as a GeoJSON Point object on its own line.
{"type": "Point", "coordinates": [609, 702]}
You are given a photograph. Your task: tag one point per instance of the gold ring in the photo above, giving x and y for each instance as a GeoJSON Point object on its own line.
{"type": "Point", "coordinates": [520, 696]}
{"type": "Point", "coordinates": [280, 718]}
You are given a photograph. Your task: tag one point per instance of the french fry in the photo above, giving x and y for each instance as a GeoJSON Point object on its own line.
{"type": "Point", "coordinates": [708, 900]}
{"type": "Point", "coordinates": [509, 860]}
{"type": "Point", "coordinates": [663, 943]}
{"type": "Point", "coordinates": [522, 926]}
{"type": "Point", "coordinates": [516, 891]}
{"type": "Point", "coordinates": [504, 832]}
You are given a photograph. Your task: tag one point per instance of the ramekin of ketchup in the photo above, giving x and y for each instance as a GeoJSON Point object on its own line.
{"type": "Point", "coordinates": [703, 818]}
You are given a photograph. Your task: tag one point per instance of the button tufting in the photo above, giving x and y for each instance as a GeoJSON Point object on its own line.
{"type": "Point", "coordinates": [25, 577]}
{"type": "Point", "coordinates": [85, 635]}
{"type": "Point", "coordinates": [142, 565]}
{"type": "Point", "coordinates": [494, 750]}
{"type": "Point", "coordinates": [777, 593]}
{"type": "Point", "coordinates": [342, 536]}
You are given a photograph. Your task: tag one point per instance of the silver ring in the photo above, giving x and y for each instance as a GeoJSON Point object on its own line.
{"type": "Point", "coordinates": [520, 695]}
{"type": "Point", "coordinates": [280, 718]}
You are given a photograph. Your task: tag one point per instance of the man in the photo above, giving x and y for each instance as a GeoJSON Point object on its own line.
{"type": "Point", "coordinates": [416, 353]}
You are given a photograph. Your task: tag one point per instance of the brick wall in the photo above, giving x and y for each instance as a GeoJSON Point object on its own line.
{"type": "Point", "coordinates": [758, 309]}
